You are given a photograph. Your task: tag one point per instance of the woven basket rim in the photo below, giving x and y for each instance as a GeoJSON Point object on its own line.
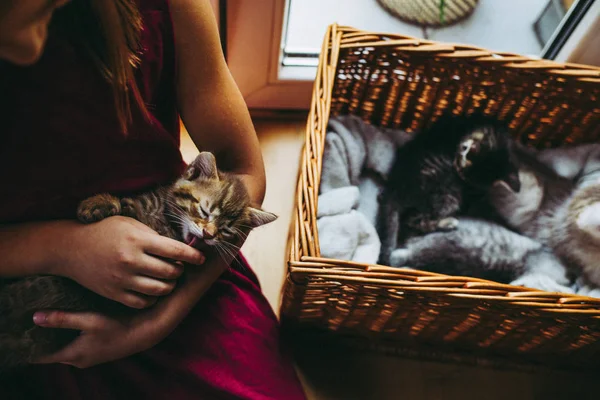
{"type": "Point", "coordinates": [454, 49]}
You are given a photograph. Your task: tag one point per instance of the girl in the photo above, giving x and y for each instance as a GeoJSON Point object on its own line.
{"type": "Point", "coordinates": [99, 111]}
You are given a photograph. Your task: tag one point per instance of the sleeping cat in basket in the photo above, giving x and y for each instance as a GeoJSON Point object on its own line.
{"type": "Point", "coordinates": [204, 207]}
{"type": "Point", "coordinates": [561, 213]}
{"type": "Point", "coordinates": [439, 173]}
{"type": "Point", "coordinates": [552, 231]}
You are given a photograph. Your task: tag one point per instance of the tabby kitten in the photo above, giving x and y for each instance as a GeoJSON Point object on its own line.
{"type": "Point", "coordinates": [205, 208]}
{"type": "Point", "coordinates": [438, 173]}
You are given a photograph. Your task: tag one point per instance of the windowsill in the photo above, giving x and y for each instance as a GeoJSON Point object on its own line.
{"type": "Point", "coordinates": [306, 72]}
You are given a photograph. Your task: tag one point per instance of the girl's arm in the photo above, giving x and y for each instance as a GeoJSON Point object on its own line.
{"type": "Point", "coordinates": [20, 258]}
{"type": "Point", "coordinates": [211, 105]}
{"type": "Point", "coordinates": [215, 114]}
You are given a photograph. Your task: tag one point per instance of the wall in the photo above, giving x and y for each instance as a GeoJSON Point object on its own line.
{"type": "Point", "coordinates": [588, 50]}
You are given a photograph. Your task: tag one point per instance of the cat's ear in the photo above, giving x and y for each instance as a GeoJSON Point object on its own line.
{"type": "Point", "coordinates": [204, 166]}
{"type": "Point", "coordinates": [260, 217]}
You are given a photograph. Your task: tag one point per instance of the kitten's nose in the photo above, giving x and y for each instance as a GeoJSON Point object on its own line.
{"type": "Point", "coordinates": [206, 234]}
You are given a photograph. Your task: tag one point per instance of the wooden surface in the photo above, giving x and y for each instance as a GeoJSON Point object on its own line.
{"type": "Point", "coordinates": [343, 374]}
{"type": "Point", "coordinates": [332, 373]}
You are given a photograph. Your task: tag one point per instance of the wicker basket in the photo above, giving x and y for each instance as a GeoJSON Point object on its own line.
{"type": "Point", "coordinates": [402, 82]}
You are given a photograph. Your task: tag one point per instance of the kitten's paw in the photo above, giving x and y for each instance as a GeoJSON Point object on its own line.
{"type": "Point", "coordinates": [424, 225]}
{"type": "Point", "coordinates": [98, 207]}
{"type": "Point", "coordinates": [128, 205]}
{"type": "Point", "coordinates": [541, 282]}
{"type": "Point", "coordinates": [447, 224]}
{"type": "Point", "coordinates": [399, 257]}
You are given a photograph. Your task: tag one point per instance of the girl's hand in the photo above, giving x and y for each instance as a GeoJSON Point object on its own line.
{"type": "Point", "coordinates": [124, 260]}
{"type": "Point", "coordinates": [103, 338]}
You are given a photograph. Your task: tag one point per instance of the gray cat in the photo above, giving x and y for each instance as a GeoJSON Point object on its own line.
{"type": "Point", "coordinates": [557, 208]}
{"type": "Point", "coordinates": [483, 249]}
{"type": "Point", "coordinates": [560, 211]}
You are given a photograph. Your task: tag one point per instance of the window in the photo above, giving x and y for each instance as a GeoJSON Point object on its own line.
{"type": "Point", "coordinates": [273, 45]}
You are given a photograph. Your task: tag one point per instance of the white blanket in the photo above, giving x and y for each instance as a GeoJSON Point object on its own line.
{"type": "Point", "coordinates": [356, 161]}
{"type": "Point", "coordinates": [344, 233]}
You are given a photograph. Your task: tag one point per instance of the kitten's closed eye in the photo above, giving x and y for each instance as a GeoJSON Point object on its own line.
{"type": "Point", "coordinates": [227, 232]}
{"type": "Point", "coordinates": [203, 213]}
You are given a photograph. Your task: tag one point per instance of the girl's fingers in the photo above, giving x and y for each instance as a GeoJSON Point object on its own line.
{"type": "Point", "coordinates": [152, 287]}
{"type": "Point", "coordinates": [81, 321]}
{"type": "Point", "coordinates": [160, 269]}
{"type": "Point", "coordinates": [172, 249]}
{"type": "Point", "coordinates": [137, 300]}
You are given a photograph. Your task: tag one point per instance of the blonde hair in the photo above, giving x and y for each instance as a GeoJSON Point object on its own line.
{"type": "Point", "coordinates": [109, 32]}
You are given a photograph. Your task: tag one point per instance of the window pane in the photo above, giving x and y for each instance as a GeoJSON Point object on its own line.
{"type": "Point", "coordinates": [517, 26]}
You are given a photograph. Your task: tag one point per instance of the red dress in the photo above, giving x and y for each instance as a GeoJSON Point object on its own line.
{"type": "Point", "coordinates": [59, 143]}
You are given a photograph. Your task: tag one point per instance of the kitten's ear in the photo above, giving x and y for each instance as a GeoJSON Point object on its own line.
{"type": "Point", "coordinates": [260, 217]}
{"type": "Point", "coordinates": [204, 166]}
